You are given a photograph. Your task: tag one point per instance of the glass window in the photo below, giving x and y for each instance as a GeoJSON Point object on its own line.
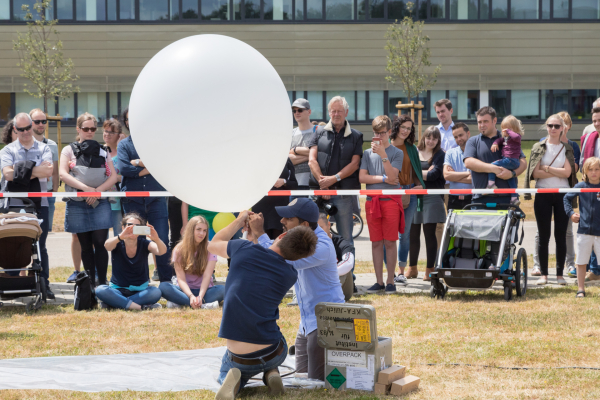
{"type": "Point", "coordinates": [525, 104]}
{"type": "Point", "coordinates": [237, 13]}
{"type": "Point", "coordinates": [66, 108]}
{"type": "Point", "coordinates": [4, 10]}
{"type": "Point", "coordinates": [499, 8]}
{"type": "Point", "coordinates": [463, 9]}
{"type": "Point", "coordinates": [299, 12]}
{"type": "Point", "coordinates": [93, 103]}
{"type": "Point", "coordinates": [91, 10]}
{"type": "Point", "coordinates": [484, 12]}
{"type": "Point", "coordinates": [397, 10]}
{"type": "Point", "coordinates": [394, 96]}
{"type": "Point", "coordinates": [278, 10]}
{"type": "Point", "coordinates": [5, 108]}
{"type": "Point", "coordinates": [64, 9]}
{"type": "Point", "coordinates": [214, 10]}
{"type": "Point", "coordinates": [436, 95]}
{"type": "Point", "coordinates": [339, 9]}
{"type": "Point", "coordinates": [189, 9]}
{"type": "Point", "coordinates": [581, 103]}
{"type": "Point", "coordinates": [561, 9]}
{"type": "Point", "coordinates": [361, 105]}
{"type": "Point", "coordinates": [545, 9]}
{"type": "Point", "coordinates": [18, 13]}
{"type": "Point", "coordinates": [560, 99]}
{"type": "Point", "coordinates": [375, 103]}
{"type": "Point", "coordinates": [524, 9]}
{"type": "Point", "coordinates": [290, 97]}
{"type": "Point", "coordinates": [316, 105]}
{"type": "Point", "coordinates": [349, 96]}
{"type": "Point", "coordinates": [252, 9]}
{"type": "Point", "coordinates": [422, 11]}
{"type": "Point", "coordinates": [465, 104]}
{"type": "Point", "coordinates": [546, 101]}
{"type": "Point", "coordinates": [376, 9]}
{"type": "Point", "coordinates": [314, 9]}
{"type": "Point", "coordinates": [586, 9]}
{"type": "Point", "coordinates": [499, 101]}
{"type": "Point", "coordinates": [127, 9]}
{"type": "Point", "coordinates": [125, 96]}
{"type": "Point", "coordinates": [174, 9]}
{"type": "Point", "coordinates": [114, 104]}
{"type": "Point", "coordinates": [153, 10]}
{"type": "Point", "coordinates": [26, 102]}
{"type": "Point", "coordinates": [438, 8]}
{"type": "Point", "coordinates": [111, 10]}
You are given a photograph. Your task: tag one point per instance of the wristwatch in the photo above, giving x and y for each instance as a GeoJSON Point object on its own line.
{"type": "Point", "coordinates": [384, 160]}
{"type": "Point", "coordinates": [514, 174]}
{"type": "Point", "coordinates": [137, 163]}
{"type": "Point", "coordinates": [337, 176]}
{"type": "Point", "coordinates": [284, 181]}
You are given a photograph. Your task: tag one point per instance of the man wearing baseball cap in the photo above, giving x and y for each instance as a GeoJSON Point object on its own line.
{"type": "Point", "coordinates": [301, 137]}
{"type": "Point", "coordinates": [317, 282]}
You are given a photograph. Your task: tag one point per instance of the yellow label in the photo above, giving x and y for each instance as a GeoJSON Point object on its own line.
{"type": "Point", "coordinates": [362, 330]}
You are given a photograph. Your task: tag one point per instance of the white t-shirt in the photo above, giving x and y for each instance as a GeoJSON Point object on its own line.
{"type": "Point", "coordinates": [554, 182]}
{"type": "Point", "coordinates": [302, 139]}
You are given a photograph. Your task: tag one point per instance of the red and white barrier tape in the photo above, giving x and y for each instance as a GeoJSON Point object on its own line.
{"type": "Point", "coordinates": [287, 193]}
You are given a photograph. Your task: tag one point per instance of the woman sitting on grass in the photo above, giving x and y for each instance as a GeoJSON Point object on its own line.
{"type": "Point", "coordinates": [128, 288]}
{"type": "Point", "coordinates": [194, 267]}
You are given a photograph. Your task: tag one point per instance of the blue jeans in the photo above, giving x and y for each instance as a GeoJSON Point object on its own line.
{"type": "Point", "coordinates": [116, 217]}
{"type": "Point", "coordinates": [343, 218]}
{"type": "Point", "coordinates": [116, 299]}
{"type": "Point", "coordinates": [174, 294]}
{"type": "Point", "coordinates": [510, 164]}
{"type": "Point", "coordinates": [51, 207]}
{"type": "Point", "coordinates": [404, 238]}
{"type": "Point", "coordinates": [157, 215]}
{"type": "Point", "coordinates": [593, 265]}
{"type": "Point", "coordinates": [248, 371]}
{"type": "Point", "coordinates": [42, 213]}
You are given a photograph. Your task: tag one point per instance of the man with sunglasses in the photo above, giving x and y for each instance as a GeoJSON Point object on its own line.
{"type": "Point", "coordinates": [26, 148]}
{"type": "Point", "coordinates": [40, 122]}
{"type": "Point", "coordinates": [301, 137]}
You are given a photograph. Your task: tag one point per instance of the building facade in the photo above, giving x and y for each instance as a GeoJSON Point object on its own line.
{"type": "Point", "coordinates": [530, 58]}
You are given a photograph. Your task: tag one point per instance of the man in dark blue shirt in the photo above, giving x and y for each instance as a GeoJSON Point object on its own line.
{"type": "Point", "coordinates": [136, 178]}
{"type": "Point", "coordinates": [258, 280]}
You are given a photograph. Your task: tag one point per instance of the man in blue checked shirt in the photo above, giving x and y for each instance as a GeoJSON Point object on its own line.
{"type": "Point", "coordinates": [317, 282]}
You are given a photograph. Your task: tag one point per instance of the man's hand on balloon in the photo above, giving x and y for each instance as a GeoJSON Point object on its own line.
{"type": "Point", "coordinates": [326, 181]}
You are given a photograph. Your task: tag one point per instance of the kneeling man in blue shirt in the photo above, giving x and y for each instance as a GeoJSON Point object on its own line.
{"type": "Point", "coordinates": [318, 280]}
{"type": "Point", "coordinates": [254, 342]}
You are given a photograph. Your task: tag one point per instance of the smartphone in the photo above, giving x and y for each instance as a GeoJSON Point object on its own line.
{"type": "Point", "coordinates": [141, 230]}
{"type": "Point", "coordinates": [377, 140]}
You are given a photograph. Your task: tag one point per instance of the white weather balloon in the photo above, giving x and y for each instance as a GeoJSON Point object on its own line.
{"type": "Point", "coordinates": [211, 120]}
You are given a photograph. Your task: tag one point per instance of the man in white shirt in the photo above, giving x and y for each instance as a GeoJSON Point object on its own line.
{"type": "Point", "coordinates": [443, 110]}
{"type": "Point", "coordinates": [301, 137]}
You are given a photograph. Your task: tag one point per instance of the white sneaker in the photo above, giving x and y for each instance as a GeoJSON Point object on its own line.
{"type": "Point", "coordinates": [210, 306]}
{"type": "Point", "coordinates": [170, 304]}
{"type": "Point", "coordinates": [542, 281]}
{"type": "Point", "coordinates": [401, 280]}
{"type": "Point", "coordinates": [152, 306]}
{"type": "Point", "coordinates": [536, 271]}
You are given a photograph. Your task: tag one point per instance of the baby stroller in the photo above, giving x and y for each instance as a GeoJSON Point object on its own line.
{"type": "Point", "coordinates": [478, 247]}
{"type": "Point", "coordinates": [19, 235]}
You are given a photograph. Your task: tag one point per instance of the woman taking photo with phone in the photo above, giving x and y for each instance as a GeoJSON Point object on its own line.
{"type": "Point", "coordinates": [128, 288]}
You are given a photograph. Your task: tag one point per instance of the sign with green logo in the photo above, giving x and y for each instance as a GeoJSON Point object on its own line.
{"type": "Point", "coordinates": [335, 378]}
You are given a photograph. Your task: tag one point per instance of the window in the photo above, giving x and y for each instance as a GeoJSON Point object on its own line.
{"type": "Point", "coordinates": [586, 9]}
{"type": "Point", "coordinates": [376, 9]}
{"type": "Point", "coordinates": [314, 9]}
{"type": "Point", "coordinates": [64, 9]}
{"type": "Point", "coordinates": [91, 10]}
{"type": "Point", "coordinates": [154, 10]}
{"type": "Point", "coordinates": [252, 9]}
{"type": "Point", "coordinates": [127, 9]}
{"type": "Point", "coordinates": [316, 105]}
{"type": "Point", "coordinates": [278, 10]}
{"type": "Point", "coordinates": [111, 10]}
{"type": "Point", "coordinates": [25, 102]}
{"type": "Point", "coordinates": [499, 100]}
{"type": "Point", "coordinates": [215, 10]}
{"type": "Point", "coordinates": [554, 101]}
{"type": "Point", "coordinates": [4, 9]}
{"type": "Point", "coordinates": [114, 104]}
{"type": "Point", "coordinates": [561, 9]}
{"type": "Point", "coordinates": [18, 13]}
{"type": "Point", "coordinates": [349, 96]}
{"type": "Point", "coordinates": [5, 108]}
{"type": "Point", "coordinates": [524, 9]}
{"type": "Point", "coordinates": [93, 103]}
{"type": "Point", "coordinates": [525, 104]}
{"type": "Point", "coordinates": [189, 9]}
{"type": "Point", "coordinates": [500, 9]}
{"type": "Point", "coordinates": [397, 10]}
{"type": "Point", "coordinates": [125, 96]}
{"type": "Point", "coordinates": [375, 103]}
{"type": "Point", "coordinates": [581, 103]}
{"type": "Point", "coordinates": [484, 11]}
{"type": "Point", "coordinates": [66, 108]}
{"type": "Point", "coordinates": [436, 95]}
{"type": "Point", "coordinates": [361, 105]}
{"type": "Point", "coordinates": [299, 12]}
{"type": "Point", "coordinates": [438, 8]}
{"type": "Point", "coordinates": [545, 9]}
{"type": "Point", "coordinates": [465, 103]}
{"type": "Point", "coordinates": [394, 96]}
{"type": "Point", "coordinates": [339, 9]}
{"type": "Point", "coordinates": [463, 9]}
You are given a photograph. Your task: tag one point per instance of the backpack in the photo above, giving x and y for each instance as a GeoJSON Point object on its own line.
{"type": "Point", "coordinates": [84, 297]}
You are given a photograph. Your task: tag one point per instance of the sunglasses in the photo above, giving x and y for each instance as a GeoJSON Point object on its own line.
{"type": "Point", "coordinates": [554, 126]}
{"type": "Point", "coordinates": [23, 129]}
{"type": "Point", "coordinates": [299, 110]}
{"type": "Point", "coordinates": [88, 129]}
{"type": "Point", "coordinates": [40, 121]}
{"type": "Point", "coordinates": [132, 224]}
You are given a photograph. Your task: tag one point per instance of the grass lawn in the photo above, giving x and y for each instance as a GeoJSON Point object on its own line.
{"type": "Point", "coordinates": [550, 329]}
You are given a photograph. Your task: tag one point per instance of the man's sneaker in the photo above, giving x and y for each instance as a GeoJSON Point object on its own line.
{"type": "Point", "coordinates": [390, 288]}
{"type": "Point", "coordinates": [572, 272]}
{"type": "Point", "coordinates": [155, 277]}
{"type": "Point", "coordinates": [273, 381]}
{"type": "Point", "coordinates": [170, 304]}
{"type": "Point", "coordinates": [590, 276]}
{"type": "Point", "coordinates": [71, 279]}
{"type": "Point", "coordinates": [210, 306]}
{"type": "Point", "coordinates": [151, 306]}
{"type": "Point", "coordinates": [294, 301]}
{"type": "Point", "coordinates": [536, 272]}
{"type": "Point", "coordinates": [376, 288]}
{"type": "Point", "coordinates": [230, 385]}
{"type": "Point", "coordinates": [401, 280]}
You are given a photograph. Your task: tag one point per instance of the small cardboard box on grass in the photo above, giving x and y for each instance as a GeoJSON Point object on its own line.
{"type": "Point", "coordinates": [391, 374]}
{"type": "Point", "coordinates": [405, 385]}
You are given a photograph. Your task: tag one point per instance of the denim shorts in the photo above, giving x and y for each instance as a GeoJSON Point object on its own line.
{"type": "Point", "coordinates": [81, 217]}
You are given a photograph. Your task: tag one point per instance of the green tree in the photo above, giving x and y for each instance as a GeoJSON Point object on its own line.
{"type": "Point", "coordinates": [41, 58]}
{"type": "Point", "coordinates": [408, 56]}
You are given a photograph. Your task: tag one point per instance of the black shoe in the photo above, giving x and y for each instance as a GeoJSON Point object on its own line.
{"type": "Point", "coordinates": [376, 288]}
{"type": "Point", "coordinates": [355, 289]}
{"type": "Point", "coordinates": [390, 288]}
{"type": "Point", "coordinates": [50, 294]}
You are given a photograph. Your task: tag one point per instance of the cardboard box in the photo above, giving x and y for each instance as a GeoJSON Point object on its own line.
{"type": "Point", "coordinates": [382, 389]}
{"type": "Point", "coordinates": [405, 385]}
{"type": "Point", "coordinates": [391, 374]}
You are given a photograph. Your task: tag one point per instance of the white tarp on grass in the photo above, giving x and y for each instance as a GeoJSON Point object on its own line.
{"type": "Point", "coordinates": [152, 372]}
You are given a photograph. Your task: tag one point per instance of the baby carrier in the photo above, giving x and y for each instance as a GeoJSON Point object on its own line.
{"type": "Point", "coordinates": [90, 167]}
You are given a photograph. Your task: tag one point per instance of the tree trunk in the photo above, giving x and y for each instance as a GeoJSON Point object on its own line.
{"type": "Point", "coordinates": [45, 105]}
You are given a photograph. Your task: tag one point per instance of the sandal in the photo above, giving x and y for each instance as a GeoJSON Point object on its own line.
{"type": "Point", "coordinates": [580, 292]}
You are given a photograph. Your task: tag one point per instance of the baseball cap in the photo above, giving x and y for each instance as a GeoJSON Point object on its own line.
{"type": "Point", "coordinates": [300, 208]}
{"type": "Point", "coordinates": [301, 103]}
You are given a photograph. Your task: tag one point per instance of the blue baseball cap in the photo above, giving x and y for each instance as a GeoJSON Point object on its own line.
{"type": "Point", "coordinates": [300, 208]}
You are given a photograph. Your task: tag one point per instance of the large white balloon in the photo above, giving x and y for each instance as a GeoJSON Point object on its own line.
{"type": "Point", "coordinates": [211, 120]}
